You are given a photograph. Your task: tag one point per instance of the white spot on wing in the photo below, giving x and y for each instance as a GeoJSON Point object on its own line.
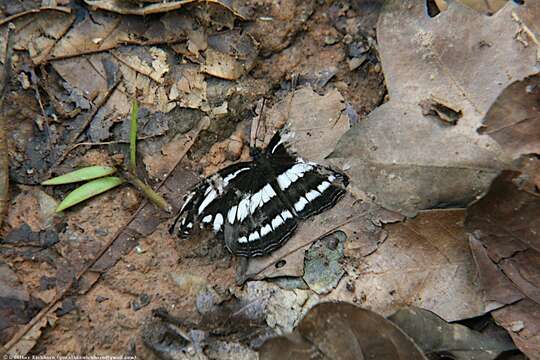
{"type": "Point", "coordinates": [331, 178]}
{"type": "Point", "coordinates": [243, 240]}
{"type": "Point", "coordinates": [243, 209]}
{"type": "Point", "coordinates": [254, 236]}
{"type": "Point", "coordinates": [276, 222]}
{"type": "Point", "coordinates": [207, 219]}
{"type": "Point", "coordinates": [283, 181]}
{"type": "Point", "coordinates": [300, 204]}
{"type": "Point", "coordinates": [189, 226]}
{"type": "Point", "coordinates": [293, 174]}
{"type": "Point", "coordinates": [267, 193]}
{"type": "Point", "coordinates": [323, 186]}
{"type": "Point", "coordinates": [312, 195]}
{"type": "Point", "coordinates": [255, 201]}
{"type": "Point", "coordinates": [231, 215]}
{"type": "Point", "coordinates": [218, 221]}
{"type": "Point", "coordinates": [207, 200]}
{"type": "Point", "coordinates": [286, 214]}
{"type": "Point", "coordinates": [229, 177]}
{"type": "Point", "coordinates": [266, 229]}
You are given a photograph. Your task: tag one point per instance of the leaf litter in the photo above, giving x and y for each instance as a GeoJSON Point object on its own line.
{"type": "Point", "coordinates": [199, 71]}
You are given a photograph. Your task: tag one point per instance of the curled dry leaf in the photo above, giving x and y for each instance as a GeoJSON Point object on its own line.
{"type": "Point", "coordinates": [343, 331]}
{"type": "Point", "coordinates": [408, 161]}
{"type": "Point", "coordinates": [507, 223]}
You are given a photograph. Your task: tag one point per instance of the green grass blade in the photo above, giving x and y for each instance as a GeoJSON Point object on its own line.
{"type": "Point", "coordinates": [89, 190]}
{"type": "Point", "coordinates": [87, 173]}
{"type": "Point", "coordinates": [133, 136]}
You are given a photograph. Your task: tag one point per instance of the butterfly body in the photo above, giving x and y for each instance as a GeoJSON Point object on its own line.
{"type": "Point", "coordinates": [255, 206]}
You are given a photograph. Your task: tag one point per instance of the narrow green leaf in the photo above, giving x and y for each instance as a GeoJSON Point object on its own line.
{"type": "Point", "coordinates": [87, 173]}
{"type": "Point", "coordinates": [133, 136]}
{"type": "Point", "coordinates": [89, 190]}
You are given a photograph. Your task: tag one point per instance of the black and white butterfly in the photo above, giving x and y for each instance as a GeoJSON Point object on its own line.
{"type": "Point", "coordinates": [255, 206]}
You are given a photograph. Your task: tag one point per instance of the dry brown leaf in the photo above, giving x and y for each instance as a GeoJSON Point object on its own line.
{"type": "Point", "coordinates": [425, 262]}
{"type": "Point", "coordinates": [504, 227]}
{"type": "Point", "coordinates": [507, 223]}
{"type": "Point", "coordinates": [102, 32]}
{"type": "Point", "coordinates": [514, 119]}
{"type": "Point", "coordinates": [408, 161]}
{"type": "Point", "coordinates": [522, 321]}
{"type": "Point", "coordinates": [439, 339]}
{"type": "Point", "coordinates": [229, 55]}
{"type": "Point", "coordinates": [130, 8]}
{"type": "Point", "coordinates": [343, 331]}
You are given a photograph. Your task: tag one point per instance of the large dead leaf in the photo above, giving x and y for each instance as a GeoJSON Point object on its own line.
{"type": "Point", "coordinates": [343, 331]}
{"type": "Point", "coordinates": [409, 161]}
{"type": "Point", "coordinates": [424, 262]}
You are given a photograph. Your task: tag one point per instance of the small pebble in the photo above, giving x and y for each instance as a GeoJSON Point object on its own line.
{"type": "Point", "coordinates": [100, 299]}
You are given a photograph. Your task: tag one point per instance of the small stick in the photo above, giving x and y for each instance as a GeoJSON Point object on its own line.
{"type": "Point", "coordinates": [4, 155]}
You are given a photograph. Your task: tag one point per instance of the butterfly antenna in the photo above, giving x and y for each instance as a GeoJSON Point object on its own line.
{"type": "Point", "coordinates": [294, 82]}
{"type": "Point", "coordinates": [255, 125]}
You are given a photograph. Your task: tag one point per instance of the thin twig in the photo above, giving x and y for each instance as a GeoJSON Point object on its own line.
{"type": "Point", "coordinates": [23, 331]}
{"type": "Point", "coordinates": [4, 156]}
{"type": "Point", "coordinates": [35, 11]}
